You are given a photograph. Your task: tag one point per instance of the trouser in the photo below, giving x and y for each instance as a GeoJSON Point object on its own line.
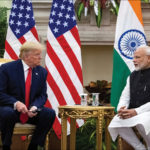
{"type": "Point", "coordinates": [130, 137]}
{"type": "Point", "coordinates": [43, 121]}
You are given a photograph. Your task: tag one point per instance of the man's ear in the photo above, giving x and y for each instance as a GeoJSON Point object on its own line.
{"type": "Point", "coordinates": [148, 58]}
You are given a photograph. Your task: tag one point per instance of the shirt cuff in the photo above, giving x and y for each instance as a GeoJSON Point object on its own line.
{"type": "Point", "coordinates": [34, 107]}
{"type": "Point", "coordinates": [137, 110]}
{"type": "Point", "coordinates": [15, 105]}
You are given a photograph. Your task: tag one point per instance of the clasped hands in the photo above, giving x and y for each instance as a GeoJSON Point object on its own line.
{"type": "Point", "coordinates": [124, 113]}
{"type": "Point", "coordinates": [21, 107]}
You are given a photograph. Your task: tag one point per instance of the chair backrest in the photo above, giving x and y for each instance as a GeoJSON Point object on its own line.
{"type": "Point", "coordinates": [3, 60]}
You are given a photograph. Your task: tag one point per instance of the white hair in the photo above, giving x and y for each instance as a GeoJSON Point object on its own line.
{"type": "Point", "coordinates": [145, 48]}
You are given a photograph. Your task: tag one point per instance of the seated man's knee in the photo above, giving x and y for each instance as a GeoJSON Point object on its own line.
{"type": "Point", "coordinates": [53, 113]}
{"type": "Point", "coordinates": [49, 114]}
{"type": "Point", "coordinates": [8, 113]}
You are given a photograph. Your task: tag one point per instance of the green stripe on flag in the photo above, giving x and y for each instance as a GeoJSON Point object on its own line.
{"type": "Point", "coordinates": [120, 74]}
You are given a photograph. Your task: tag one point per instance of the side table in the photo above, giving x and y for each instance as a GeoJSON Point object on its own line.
{"type": "Point", "coordinates": [84, 112]}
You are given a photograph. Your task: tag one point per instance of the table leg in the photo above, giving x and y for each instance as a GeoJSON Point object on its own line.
{"type": "Point", "coordinates": [107, 135]}
{"type": "Point", "coordinates": [99, 130]}
{"type": "Point", "coordinates": [72, 133]}
{"type": "Point", "coordinates": [63, 133]}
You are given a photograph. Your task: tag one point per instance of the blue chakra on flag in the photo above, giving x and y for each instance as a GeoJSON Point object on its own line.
{"type": "Point", "coordinates": [129, 41]}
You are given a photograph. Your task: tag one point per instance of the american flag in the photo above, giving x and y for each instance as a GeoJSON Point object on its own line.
{"type": "Point", "coordinates": [63, 58]}
{"type": "Point", "coordinates": [21, 28]}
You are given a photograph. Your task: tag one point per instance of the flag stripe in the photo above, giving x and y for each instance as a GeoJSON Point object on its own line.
{"type": "Point", "coordinates": [6, 54]}
{"type": "Point", "coordinates": [129, 36]}
{"type": "Point", "coordinates": [75, 34]}
{"type": "Point", "coordinates": [55, 89]}
{"type": "Point", "coordinates": [54, 103]}
{"type": "Point", "coordinates": [63, 58]}
{"type": "Point", "coordinates": [57, 92]}
{"type": "Point", "coordinates": [76, 49]}
{"type": "Point", "coordinates": [63, 74]}
{"type": "Point", "coordinates": [21, 28]}
{"type": "Point", "coordinates": [120, 74]}
{"type": "Point", "coordinates": [136, 5]}
{"type": "Point", "coordinates": [34, 32]}
{"type": "Point", "coordinates": [22, 40]}
{"type": "Point", "coordinates": [59, 81]}
{"type": "Point", "coordinates": [13, 42]}
{"type": "Point", "coordinates": [10, 51]}
{"type": "Point", "coordinates": [125, 9]}
{"type": "Point", "coordinates": [30, 37]}
{"type": "Point", "coordinates": [71, 56]}
{"type": "Point", "coordinates": [65, 61]}
{"type": "Point", "coordinates": [50, 81]}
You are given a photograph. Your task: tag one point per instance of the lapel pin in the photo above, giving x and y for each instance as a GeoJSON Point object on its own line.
{"type": "Point", "coordinates": [36, 73]}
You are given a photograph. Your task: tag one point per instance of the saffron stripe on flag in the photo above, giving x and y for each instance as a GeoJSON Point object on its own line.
{"type": "Point", "coordinates": [137, 9]}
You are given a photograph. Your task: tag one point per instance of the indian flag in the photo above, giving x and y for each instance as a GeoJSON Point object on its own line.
{"type": "Point", "coordinates": [129, 36]}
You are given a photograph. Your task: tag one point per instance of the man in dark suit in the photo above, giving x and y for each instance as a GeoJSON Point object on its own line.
{"type": "Point", "coordinates": [13, 104]}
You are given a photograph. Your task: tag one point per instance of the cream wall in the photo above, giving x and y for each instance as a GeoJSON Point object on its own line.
{"type": "Point", "coordinates": [97, 63]}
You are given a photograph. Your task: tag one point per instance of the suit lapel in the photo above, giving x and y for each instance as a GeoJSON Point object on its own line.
{"type": "Point", "coordinates": [21, 79]}
{"type": "Point", "coordinates": [34, 85]}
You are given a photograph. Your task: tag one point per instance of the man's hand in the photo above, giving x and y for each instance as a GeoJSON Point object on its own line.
{"type": "Point", "coordinates": [120, 111]}
{"type": "Point", "coordinates": [30, 112]}
{"type": "Point", "coordinates": [124, 113]}
{"type": "Point", "coordinates": [21, 107]}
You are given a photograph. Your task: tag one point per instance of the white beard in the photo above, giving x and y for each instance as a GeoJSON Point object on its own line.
{"type": "Point", "coordinates": [137, 68]}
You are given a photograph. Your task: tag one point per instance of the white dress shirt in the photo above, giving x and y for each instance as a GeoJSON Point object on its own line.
{"type": "Point", "coordinates": [25, 68]}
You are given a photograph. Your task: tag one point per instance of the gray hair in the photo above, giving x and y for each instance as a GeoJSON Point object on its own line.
{"type": "Point", "coordinates": [145, 48]}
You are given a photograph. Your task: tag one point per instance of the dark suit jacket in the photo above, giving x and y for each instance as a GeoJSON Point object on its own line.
{"type": "Point", "coordinates": [12, 85]}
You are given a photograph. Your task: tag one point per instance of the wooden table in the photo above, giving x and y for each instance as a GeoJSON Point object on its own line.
{"type": "Point", "coordinates": [84, 112]}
